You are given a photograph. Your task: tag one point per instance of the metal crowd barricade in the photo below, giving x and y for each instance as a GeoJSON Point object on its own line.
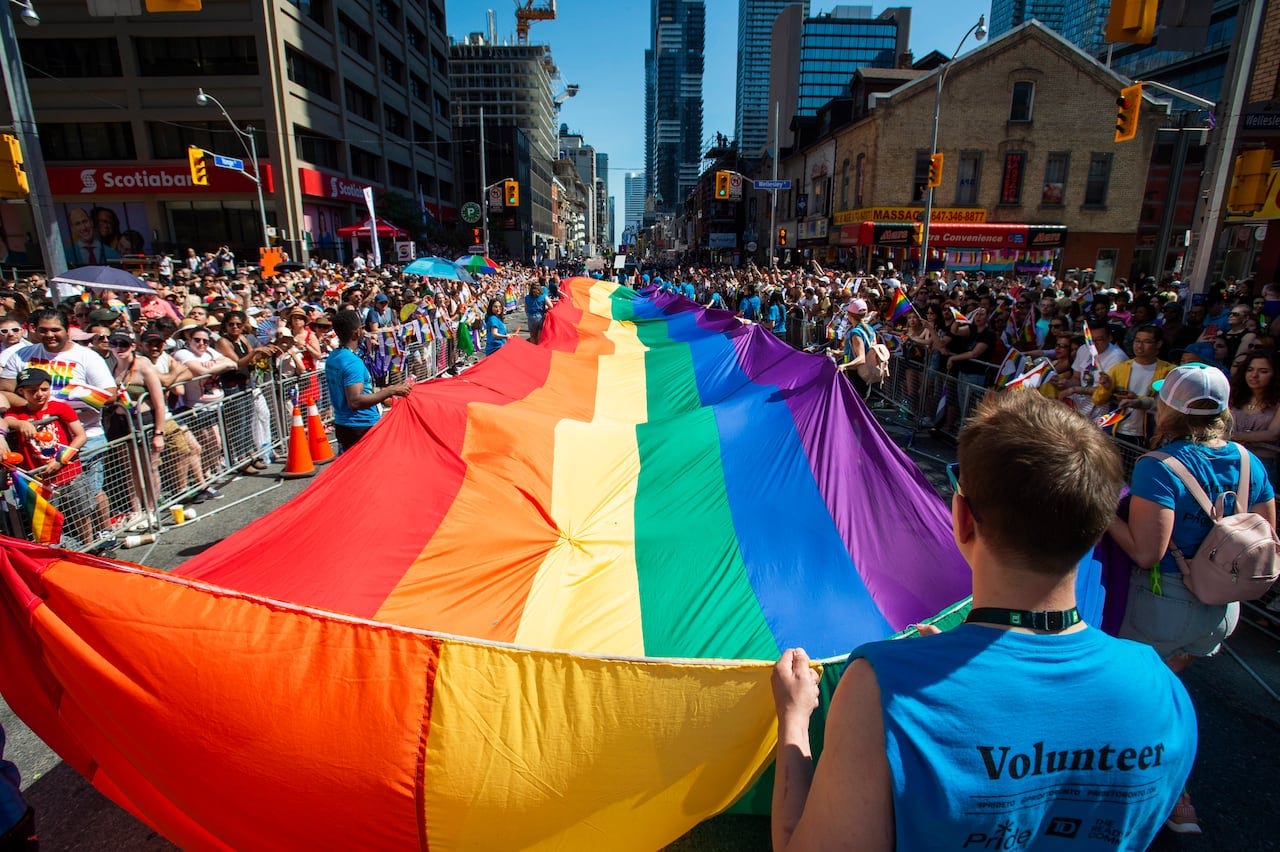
{"type": "Point", "coordinates": [203, 447]}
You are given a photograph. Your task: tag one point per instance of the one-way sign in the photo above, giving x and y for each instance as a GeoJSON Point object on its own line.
{"type": "Point", "coordinates": [771, 184]}
{"type": "Point", "coordinates": [228, 162]}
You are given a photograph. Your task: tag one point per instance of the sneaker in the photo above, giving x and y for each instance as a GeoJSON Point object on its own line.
{"type": "Point", "coordinates": [211, 493]}
{"type": "Point", "coordinates": [1183, 819]}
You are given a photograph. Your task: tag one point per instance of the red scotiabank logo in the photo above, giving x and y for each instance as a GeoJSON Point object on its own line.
{"type": "Point", "coordinates": [121, 179]}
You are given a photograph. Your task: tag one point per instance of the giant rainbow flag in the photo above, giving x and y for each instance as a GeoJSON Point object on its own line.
{"type": "Point", "coordinates": [536, 607]}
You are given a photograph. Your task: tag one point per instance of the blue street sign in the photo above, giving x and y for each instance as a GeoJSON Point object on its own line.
{"type": "Point", "coordinates": [228, 162]}
{"type": "Point", "coordinates": [771, 184]}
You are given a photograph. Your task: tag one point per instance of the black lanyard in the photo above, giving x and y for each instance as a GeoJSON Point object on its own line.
{"type": "Point", "coordinates": [1047, 621]}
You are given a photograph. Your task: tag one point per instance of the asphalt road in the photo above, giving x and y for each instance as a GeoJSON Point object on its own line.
{"type": "Point", "coordinates": [1233, 785]}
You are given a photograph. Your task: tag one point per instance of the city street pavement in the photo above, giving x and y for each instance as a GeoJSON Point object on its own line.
{"type": "Point", "coordinates": [1233, 782]}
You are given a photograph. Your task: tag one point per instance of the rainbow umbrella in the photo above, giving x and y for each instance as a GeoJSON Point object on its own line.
{"type": "Point", "coordinates": [541, 602]}
{"type": "Point", "coordinates": [478, 264]}
{"type": "Point", "coordinates": [438, 267]}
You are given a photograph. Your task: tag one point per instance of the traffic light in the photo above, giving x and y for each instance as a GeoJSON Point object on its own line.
{"type": "Point", "coordinates": [935, 170]}
{"type": "Point", "coordinates": [199, 168]}
{"type": "Point", "coordinates": [13, 177]}
{"type": "Point", "coordinates": [723, 179]}
{"type": "Point", "coordinates": [173, 5]}
{"type": "Point", "coordinates": [782, 236]}
{"type": "Point", "coordinates": [511, 193]}
{"type": "Point", "coordinates": [1250, 180]}
{"type": "Point", "coordinates": [1127, 107]}
{"type": "Point", "coordinates": [475, 235]}
{"type": "Point", "coordinates": [1132, 21]}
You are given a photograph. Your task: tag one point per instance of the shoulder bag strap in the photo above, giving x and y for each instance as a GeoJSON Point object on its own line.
{"type": "Point", "coordinates": [1189, 481]}
{"type": "Point", "coordinates": [1242, 490]}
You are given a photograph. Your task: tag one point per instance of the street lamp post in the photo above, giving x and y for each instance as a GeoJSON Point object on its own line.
{"type": "Point", "coordinates": [250, 146]}
{"type": "Point", "coordinates": [41, 198]}
{"type": "Point", "coordinates": [978, 31]}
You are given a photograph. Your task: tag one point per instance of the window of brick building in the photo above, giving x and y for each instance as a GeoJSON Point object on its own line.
{"type": "Point", "coordinates": [1098, 180]}
{"type": "Point", "coordinates": [968, 177]}
{"type": "Point", "coordinates": [1015, 166]}
{"type": "Point", "coordinates": [1024, 93]}
{"type": "Point", "coordinates": [1055, 178]}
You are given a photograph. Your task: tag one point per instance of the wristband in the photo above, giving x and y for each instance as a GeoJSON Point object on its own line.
{"type": "Point", "coordinates": [66, 454]}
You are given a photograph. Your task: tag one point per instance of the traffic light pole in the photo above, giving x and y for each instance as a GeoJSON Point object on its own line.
{"type": "Point", "coordinates": [980, 29]}
{"type": "Point", "coordinates": [773, 193]}
{"type": "Point", "coordinates": [1213, 185]}
{"type": "Point", "coordinates": [484, 191]}
{"type": "Point", "coordinates": [41, 198]}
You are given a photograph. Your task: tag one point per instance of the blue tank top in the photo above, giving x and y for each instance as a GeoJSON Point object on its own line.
{"type": "Point", "coordinates": [1006, 740]}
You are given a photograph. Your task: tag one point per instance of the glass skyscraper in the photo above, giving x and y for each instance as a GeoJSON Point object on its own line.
{"type": "Point", "coordinates": [751, 101]}
{"type": "Point", "coordinates": [835, 45]}
{"type": "Point", "coordinates": [673, 99]}
{"type": "Point", "coordinates": [1084, 24]}
{"type": "Point", "coordinates": [1007, 14]}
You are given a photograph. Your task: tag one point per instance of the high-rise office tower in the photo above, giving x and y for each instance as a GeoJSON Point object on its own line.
{"type": "Point", "coordinates": [604, 219]}
{"type": "Point", "coordinates": [634, 191]}
{"type": "Point", "coordinates": [836, 44]}
{"type": "Point", "coordinates": [673, 99]}
{"type": "Point", "coordinates": [752, 108]}
{"type": "Point", "coordinates": [1083, 24]}
{"type": "Point", "coordinates": [1007, 14]}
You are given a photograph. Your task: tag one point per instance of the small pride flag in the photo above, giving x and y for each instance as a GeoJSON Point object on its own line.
{"type": "Point", "coordinates": [901, 305]}
{"type": "Point", "coordinates": [89, 395]}
{"type": "Point", "coordinates": [1093, 349]}
{"type": "Point", "coordinates": [1106, 421]}
{"type": "Point", "coordinates": [32, 497]}
{"type": "Point", "coordinates": [956, 316]}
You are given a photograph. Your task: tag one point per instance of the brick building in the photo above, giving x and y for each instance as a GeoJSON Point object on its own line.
{"type": "Point", "coordinates": [1026, 129]}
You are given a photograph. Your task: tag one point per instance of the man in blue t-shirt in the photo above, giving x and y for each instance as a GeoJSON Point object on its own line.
{"type": "Point", "coordinates": [355, 402]}
{"type": "Point", "coordinates": [17, 820]}
{"type": "Point", "coordinates": [1021, 728]}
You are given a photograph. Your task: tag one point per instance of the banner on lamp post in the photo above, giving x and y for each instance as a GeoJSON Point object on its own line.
{"type": "Point", "coordinates": [373, 226]}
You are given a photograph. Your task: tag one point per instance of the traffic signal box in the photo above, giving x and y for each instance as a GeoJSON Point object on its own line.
{"type": "Point", "coordinates": [13, 177]}
{"type": "Point", "coordinates": [511, 193]}
{"type": "Point", "coordinates": [723, 179]}
{"type": "Point", "coordinates": [1127, 108]}
{"type": "Point", "coordinates": [935, 170]}
{"type": "Point", "coordinates": [1250, 180]}
{"type": "Point", "coordinates": [782, 237]}
{"type": "Point", "coordinates": [199, 166]}
{"type": "Point", "coordinates": [1132, 21]}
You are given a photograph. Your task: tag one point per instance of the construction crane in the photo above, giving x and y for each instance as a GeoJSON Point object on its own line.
{"type": "Point", "coordinates": [527, 13]}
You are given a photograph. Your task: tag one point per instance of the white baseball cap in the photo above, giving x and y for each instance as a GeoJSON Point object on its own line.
{"type": "Point", "coordinates": [1195, 383]}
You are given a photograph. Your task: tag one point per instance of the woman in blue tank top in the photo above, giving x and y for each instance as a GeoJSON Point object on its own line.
{"type": "Point", "coordinates": [1192, 416]}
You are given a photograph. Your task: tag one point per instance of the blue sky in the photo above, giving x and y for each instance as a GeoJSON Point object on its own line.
{"type": "Point", "coordinates": [600, 45]}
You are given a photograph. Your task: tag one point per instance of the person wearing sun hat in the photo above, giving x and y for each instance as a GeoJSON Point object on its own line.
{"type": "Point", "coordinates": [1193, 420]}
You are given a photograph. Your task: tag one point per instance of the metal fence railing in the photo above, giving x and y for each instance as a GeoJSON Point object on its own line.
{"type": "Point", "coordinates": [128, 486]}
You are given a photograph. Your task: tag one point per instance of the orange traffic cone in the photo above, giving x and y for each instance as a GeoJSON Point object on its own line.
{"type": "Point", "coordinates": [299, 463]}
{"type": "Point", "coordinates": [321, 450]}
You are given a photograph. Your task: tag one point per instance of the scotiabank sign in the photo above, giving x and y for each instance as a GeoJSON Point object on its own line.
{"type": "Point", "coordinates": [322, 185]}
{"type": "Point", "coordinates": [152, 179]}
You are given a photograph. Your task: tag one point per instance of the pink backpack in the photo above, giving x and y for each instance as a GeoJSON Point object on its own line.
{"type": "Point", "coordinates": [1240, 557]}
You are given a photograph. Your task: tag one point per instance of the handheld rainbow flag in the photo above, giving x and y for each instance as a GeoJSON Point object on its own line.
{"type": "Point", "coordinates": [1031, 378]}
{"type": "Point", "coordinates": [956, 316]}
{"type": "Point", "coordinates": [89, 395]}
{"type": "Point", "coordinates": [1106, 421]}
{"type": "Point", "coordinates": [1092, 347]}
{"type": "Point", "coordinates": [32, 497]}
{"type": "Point", "coordinates": [901, 305]}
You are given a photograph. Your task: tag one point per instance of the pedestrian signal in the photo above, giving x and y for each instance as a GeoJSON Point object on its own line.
{"type": "Point", "coordinates": [1250, 180]}
{"type": "Point", "coordinates": [782, 236]}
